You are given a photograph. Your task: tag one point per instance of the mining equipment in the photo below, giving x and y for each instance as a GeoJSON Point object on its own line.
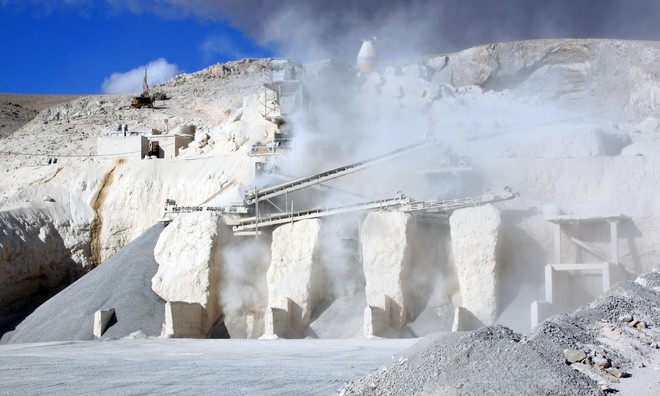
{"type": "Point", "coordinates": [247, 217]}
{"type": "Point", "coordinates": [145, 99]}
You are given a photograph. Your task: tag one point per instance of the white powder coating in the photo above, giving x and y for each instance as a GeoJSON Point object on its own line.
{"type": "Point", "coordinates": [295, 270]}
{"type": "Point", "coordinates": [189, 262]}
{"type": "Point", "coordinates": [475, 236]}
{"type": "Point", "coordinates": [386, 260]}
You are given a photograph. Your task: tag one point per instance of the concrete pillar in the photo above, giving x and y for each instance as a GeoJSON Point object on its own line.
{"type": "Point", "coordinates": [614, 241]}
{"type": "Point", "coordinates": [541, 310]}
{"type": "Point", "coordinates": [278, 319]}
{"type": "Point", "coordinates": [606, 276]}
{"type": "Point", "coordinates": [377, 318]}
{"type": "Point", "coordinates": [558, 258]}
{"type": "Point", "coordinates": [548, 283]}
{"type": "Point", "coordinates": [464, 320]}
{"type": "Point", "coordinates": [184, 320]}
{"type": "Point", "coordinates": [251, 325]}
{"type": "Point", "coordinates": [101, 320]}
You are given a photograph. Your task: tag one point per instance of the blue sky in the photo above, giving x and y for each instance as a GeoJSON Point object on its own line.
{"type": "Point", "coordinates": [90, 46]}
{"type": "Point", "coordinates": [69, 51]}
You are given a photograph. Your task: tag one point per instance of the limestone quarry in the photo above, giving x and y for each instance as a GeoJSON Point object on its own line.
{"type": "Point", "coordinates": [474, 201]}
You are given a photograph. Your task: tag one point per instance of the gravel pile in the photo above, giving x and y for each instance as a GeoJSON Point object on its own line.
{"type": "Point", "coordinates": [589, 352]}
{"type": "Point", "coordinates": [122, 282]}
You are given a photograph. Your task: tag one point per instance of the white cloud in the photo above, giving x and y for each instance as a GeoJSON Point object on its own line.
{"type": "Point", "coordinates": [159, 71]}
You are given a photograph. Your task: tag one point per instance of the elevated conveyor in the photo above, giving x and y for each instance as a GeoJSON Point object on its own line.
{"type": "Point", "coordinates": [251, 225]}
{"type": "Point", "coordinates": [254, 195]}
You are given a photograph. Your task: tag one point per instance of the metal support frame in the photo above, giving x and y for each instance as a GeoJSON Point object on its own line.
{"type": "Point", "coordinates": [303, 182]}
{"type": "Point", "coordinates": [399, 203]}
{"type": "Point", "coordinates": [604, 267]}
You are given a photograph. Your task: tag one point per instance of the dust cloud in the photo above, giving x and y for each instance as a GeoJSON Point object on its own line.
{"type": "Point", "coordinates": [350, 116]}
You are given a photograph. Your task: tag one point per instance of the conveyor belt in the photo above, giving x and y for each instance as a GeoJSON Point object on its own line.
{"type": "Point", "coordinates": [251, 225]}
{"type": "Point", "coordinates": [254, 195]}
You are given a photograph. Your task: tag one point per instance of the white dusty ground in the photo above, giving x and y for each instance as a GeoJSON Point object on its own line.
{"type": "Point", "coordinates": [610, 346]}
{"type": "Point", "coordinates": [184, 366]}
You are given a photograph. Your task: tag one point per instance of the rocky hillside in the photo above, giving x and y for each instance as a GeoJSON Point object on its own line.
{"type": "Point", "coordinates": [570, 125]}
{"type": "Point", "coordinates": [52, 214]}
{"type": "Point", "coordinates": [17, 110]}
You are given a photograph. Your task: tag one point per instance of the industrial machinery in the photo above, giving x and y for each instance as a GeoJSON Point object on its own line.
{"type": "Point", "coordinates": [142, 101]}
{"type": "Point", "coordinates": [145, 99]}
{"type": "Point", "coordinates": [248, 218]}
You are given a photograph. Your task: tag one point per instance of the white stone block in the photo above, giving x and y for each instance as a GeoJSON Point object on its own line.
{"type": "Point", "coordinates": [278, 319]}
{"type": "Point", "coordinates": [464, 320]}
{"type": "Point", "coordinates": [386, 262]}
{"type": "Point", "coordinates": [377, 318]}
{"type": "Point", "coordinates": [189, 262]}
{"type": "Point", "coordinates": [541, 310]}
{"type": "Point", "coordinates": [474, 238]}
{"type": "Point", "coordinates": [295, 271]}
{"type": "Point", "coordinates": [184, 320]}
{"type": "Point", "coordinates": [101, 320]}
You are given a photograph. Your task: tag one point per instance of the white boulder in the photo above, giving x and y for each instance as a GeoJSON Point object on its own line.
{"type": "Point", "coordinates": [475, 236]}
{"type": "Point", "coordinates": [386, 257]}
{"type": "Point", "coordinates": [295, 270]}
{"type": "Point", "coordinates": [189, 259]}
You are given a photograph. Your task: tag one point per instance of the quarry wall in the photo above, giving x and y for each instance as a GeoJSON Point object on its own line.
{"type": "Point", "coordinates": [570, 125]}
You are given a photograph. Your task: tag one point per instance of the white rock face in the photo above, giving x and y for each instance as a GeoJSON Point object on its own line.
{"type": "Point", "coordinates": [34, 258]}
{"type": "Point", "coordinates": [475, 236]}
{"type": "Point", "coordinates": [142, 186]}
{"type": "Point", "coordinates": [189, 259]}
{"type": "Point", "coordinates": [587, 74]}
{"type": "Point", "coordinates": [247, 125]}
{"type": "Point", "coordinates": [386, 253]}
{"type": "Point", "coordinates": [134, 198]}
{"type": "Point", "coordinates": [407, 272]}
{"type": "Point", "coordinates": [295, 270]}
{"type": "Point", "coordinates": [44, 245]}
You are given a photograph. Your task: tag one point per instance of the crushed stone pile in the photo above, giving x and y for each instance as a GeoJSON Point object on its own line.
{"type": "Point", "coordinates": [122, 282]}
{"type": "Point", "coordinates": [596, 350]}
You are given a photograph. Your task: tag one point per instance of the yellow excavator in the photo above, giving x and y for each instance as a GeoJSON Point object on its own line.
{"type": "Point", "coordinates": [145, 99]}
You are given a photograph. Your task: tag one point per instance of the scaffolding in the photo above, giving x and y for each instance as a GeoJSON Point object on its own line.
{"type": "Point", "coordinates": [543, 309]}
